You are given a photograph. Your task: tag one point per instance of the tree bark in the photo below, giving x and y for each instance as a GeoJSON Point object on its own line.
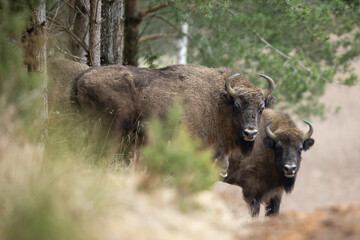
{"type": "Point", "coordinates": [132, 24]}
{"type": "Point", "coordinates": [79, 20]}
{"type": "Point", "coordinates": [112, 32]}
{"type": "Point", "coordinates": [35, 39]}
{"type": "Point", "coordinates": [95, 33]}
{"type": "Point", "coordinates": [35, 42]}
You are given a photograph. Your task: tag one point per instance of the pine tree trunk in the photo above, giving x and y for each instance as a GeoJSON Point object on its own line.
{"type": "Point", "coordinates": [95, 33]}
{"type": "Point", "coordinates": [132, 24]}
{"type": "Point", "coordinates": [79, 19]}
{"type": "Point", "coordinates": [34, 42]}
{"type": "Point", "coordinates": [112, 32]}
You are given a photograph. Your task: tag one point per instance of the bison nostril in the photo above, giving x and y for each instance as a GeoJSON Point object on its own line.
{"type": "Point", "coordinates": [290, 168]}
{"type": "Point", "coordinates": [250, 132]}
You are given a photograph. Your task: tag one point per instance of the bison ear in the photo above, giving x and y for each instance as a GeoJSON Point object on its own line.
{"type": "Point", "coordinates": [229, 100]}
{"type": "Point", "coordinates": [268, 142]}
{"type": "Point", "coordinates": [270, 101]}
{"type": "Point", "coordinates": [308, 143]}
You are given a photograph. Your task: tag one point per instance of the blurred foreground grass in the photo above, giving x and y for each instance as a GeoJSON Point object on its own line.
{"type": "Point", "coordinates": [66, 188]}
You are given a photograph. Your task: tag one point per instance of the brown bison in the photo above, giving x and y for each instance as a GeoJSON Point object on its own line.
{"type": "Point", "coordinates": [221, 107]}
{"type": "Point", "coordinates": [273, 165]}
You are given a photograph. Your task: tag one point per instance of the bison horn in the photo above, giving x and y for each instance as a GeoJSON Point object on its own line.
{"type": "Point", "coordinates": [269, 132]}
{"type": "Point", "coordinates": [229, 89]}
{"type": "Point", "coordinates": [271, 85]}
{"type": "Point", "coordinates": [310, 132]}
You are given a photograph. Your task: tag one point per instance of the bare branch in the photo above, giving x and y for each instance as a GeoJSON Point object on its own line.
{"type": "Point", "coordinates": [172, 25]}
{"type": "Point", "coordinates": [230, 12]}
{"type": "Point", "coordinates": [152, 9]}
{"type": "Point", "coordinates": [158, 36]}
{"type": "Point", "coordinates": [84, 15]}
{"type": "Point", "coordinates": [56, 12]}
{"type": "Point", "coordinates": [72, 35]}
{"type": "Point", "coordinates": [69, 54]}
{"type": "Point", "coordinates": [280, 52]}
{"type": "Point", "coordinates": [267, 44]}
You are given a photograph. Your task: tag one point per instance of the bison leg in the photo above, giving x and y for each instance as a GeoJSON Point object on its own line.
{"type": "Point", "coordinates": [254, 208]}
{"type": "Point", "coordinates": [223, 163]}
{"type": "Point", "coordinates": [273, 206]}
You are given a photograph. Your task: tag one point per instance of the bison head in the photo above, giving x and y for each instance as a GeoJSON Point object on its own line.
{"type": "Point", "coordinates": [248, 104]}
{"type": "Point", "coordinates": [287, 145]}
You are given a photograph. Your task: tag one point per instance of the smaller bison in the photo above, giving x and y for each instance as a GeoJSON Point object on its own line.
{"type": "Point", "coordinates": [273, 165]}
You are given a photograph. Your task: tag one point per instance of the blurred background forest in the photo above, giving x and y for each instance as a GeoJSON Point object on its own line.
{"type": "Point", "coordinates": [63, 178]}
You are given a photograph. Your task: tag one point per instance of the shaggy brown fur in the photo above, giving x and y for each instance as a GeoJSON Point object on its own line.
{"type": "Point", "coordinates": [261, 174]}
{"type": "Point", "coordinates": [62, 74]}
{"type": "Point", "coordinates": [129, 94]}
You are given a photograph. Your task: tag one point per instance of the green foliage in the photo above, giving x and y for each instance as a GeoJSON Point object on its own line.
{"type": "Point", "coordinates": [183, 7]}
{"type": "Point", "coordinates": [17, 89]}
{"type": "Point", "coordinates": [150, 58]}
{"type": "Point", "coordinates": [174, 157]}
{"type": "Point", "coordinates": [42, 218]}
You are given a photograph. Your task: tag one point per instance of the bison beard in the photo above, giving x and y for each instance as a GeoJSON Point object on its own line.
{"type": "Point", "coordinates": [246, 147]}
{"type": "Point", "coordinates": [288, 183]}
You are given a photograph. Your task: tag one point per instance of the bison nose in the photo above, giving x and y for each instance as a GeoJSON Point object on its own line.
{"type": "Point", "coordinates": [290, 170]}
{"type": "Point", "coordinates": [249, 134]}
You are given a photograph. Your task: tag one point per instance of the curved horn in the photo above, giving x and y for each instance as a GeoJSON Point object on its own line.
{"type": "Point", "coordinates": [307, 135]}
{"type": "Point", "coordinates": [229, 89]}
{"type": "Point", "coordinates": [271, 85]}
{"type": "Point", "coordinates": [269, 132]}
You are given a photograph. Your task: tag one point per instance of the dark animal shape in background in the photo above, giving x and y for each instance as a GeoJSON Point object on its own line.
{"type": "Point", "coordinates": [273, 165]}
{"type": "Point", "coordinates": [221, 108]}
{"type": "Point", "coordinates": [62, 74]}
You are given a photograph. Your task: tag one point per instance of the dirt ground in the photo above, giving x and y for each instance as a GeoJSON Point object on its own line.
{"type": "Point", "coordinates": [341, 222]}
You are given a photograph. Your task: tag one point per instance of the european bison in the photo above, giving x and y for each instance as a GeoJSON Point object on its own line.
{"type": "Point", "coordinates": [221, 107]}
{"type": "Point", "coordinates": [273, 164]}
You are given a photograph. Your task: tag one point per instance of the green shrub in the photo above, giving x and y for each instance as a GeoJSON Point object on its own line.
{"type": "Point", "coordinates": [175, 158]}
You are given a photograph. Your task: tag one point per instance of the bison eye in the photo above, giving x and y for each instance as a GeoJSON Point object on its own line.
{"type": "Point", "coordinates": [262, 107]}
{"type": "Point", "coordinates": [299, 150]}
